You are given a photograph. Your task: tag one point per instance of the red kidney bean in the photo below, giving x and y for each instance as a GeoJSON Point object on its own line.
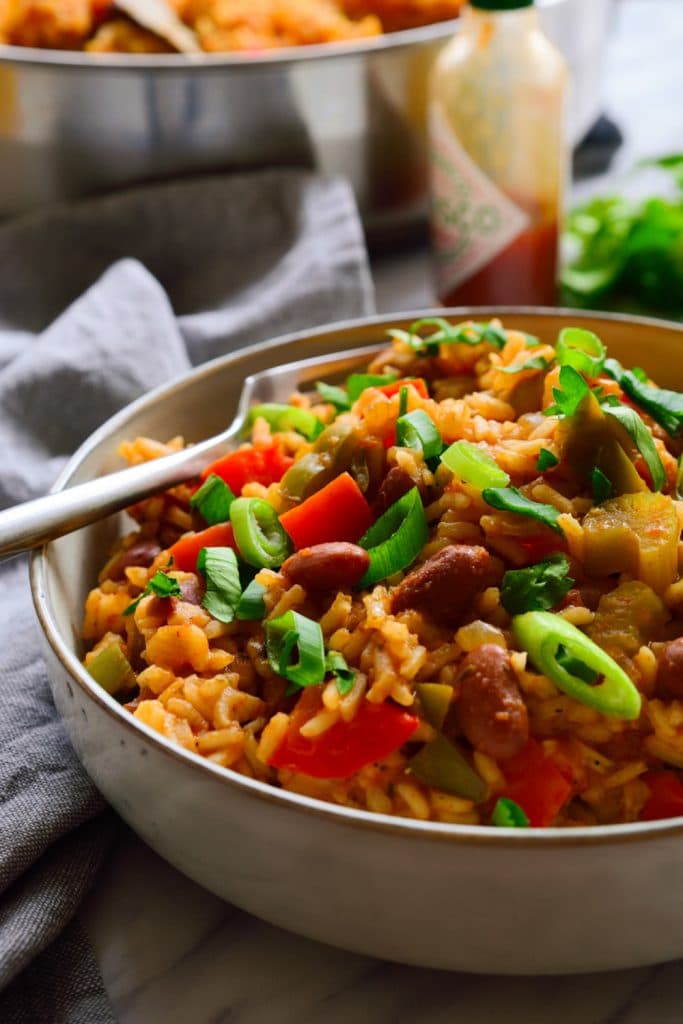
{"type": "Point", "coordinates": [447, 583]}
{"type": "Point", "coordinates": [395, 484]}
{"type": "Point", "coordinates": [336, 565]}
{"type": "Point", "coordinates": [669, 680]}
{"type": "Point", "coordinates": [491, 711]}
{"type": "Point", "coordinates": [142, 552]}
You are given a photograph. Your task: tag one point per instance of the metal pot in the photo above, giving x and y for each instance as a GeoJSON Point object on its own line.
{"type": "Point", "coordinates": [73, 124]}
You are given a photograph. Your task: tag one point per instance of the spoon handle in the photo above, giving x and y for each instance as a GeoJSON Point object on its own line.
{"type": "Point", "coordinates": [35, 522]}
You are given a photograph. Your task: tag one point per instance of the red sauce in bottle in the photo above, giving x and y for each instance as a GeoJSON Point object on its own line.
{"type": "Point", "coordinates": [523, 274]}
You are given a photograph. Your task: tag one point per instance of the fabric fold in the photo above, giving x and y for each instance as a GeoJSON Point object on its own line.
{"type": "Point", "coordinates": [99, 302]}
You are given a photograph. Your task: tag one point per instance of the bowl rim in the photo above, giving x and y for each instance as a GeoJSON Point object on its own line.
{"type": "Point", "coordinates": [478, 835]}
{"type": "Point", "coordinates": [281, 58]}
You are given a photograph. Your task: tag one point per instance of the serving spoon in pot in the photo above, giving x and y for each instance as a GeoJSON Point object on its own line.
{"type": "Point", "coordinates": [159, 17]}
{"type": "Point", "coordinates": [35, 522]}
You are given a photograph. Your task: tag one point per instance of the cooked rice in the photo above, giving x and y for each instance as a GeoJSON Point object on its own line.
{"type": "Point", "coordinates": [208, 686]}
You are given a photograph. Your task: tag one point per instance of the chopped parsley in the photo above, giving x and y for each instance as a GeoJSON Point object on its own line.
{"type": "Point", "coordinates": [160, 584]}
{"type": "Point", "coordinates": [539, 588]}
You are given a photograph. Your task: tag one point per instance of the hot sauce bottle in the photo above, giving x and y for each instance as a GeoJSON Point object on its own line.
{"type": "Point", "coordinates": [497, 158]}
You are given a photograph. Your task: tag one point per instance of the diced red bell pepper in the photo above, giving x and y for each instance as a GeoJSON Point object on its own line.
{"type": "Point", "coordinates": [376, 731]}
{"type": "Point", "coordinates": [337, 511]}
{"type": "Point", "coordinates": [666, 796]}
{"type": "Point", "coordinates": [415, 382]}
{"type": "Point", "coordinates": [250, 465]}
{"type": "Point", "coordinates": [186, 550]}
{"type": "Point", "coordinates": [535, 783]}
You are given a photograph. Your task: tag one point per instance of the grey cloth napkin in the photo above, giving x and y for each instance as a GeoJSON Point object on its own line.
{"type": "Point", "coordinates": [240, 259]}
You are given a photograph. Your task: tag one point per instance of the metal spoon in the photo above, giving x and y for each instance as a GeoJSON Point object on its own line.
{"type": "Point", "coordinates": [35, 522]}
{"type": "Point", "coordinates": [160, 18]}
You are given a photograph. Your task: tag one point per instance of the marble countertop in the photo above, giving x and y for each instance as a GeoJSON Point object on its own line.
{"type": "Point", "coordinates": [170, 952]}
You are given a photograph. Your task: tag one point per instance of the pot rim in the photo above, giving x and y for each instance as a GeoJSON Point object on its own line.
{"type": "Point", "coordinates": [477, 835]}
{"type": "Point", "coordinates": [281, 58]}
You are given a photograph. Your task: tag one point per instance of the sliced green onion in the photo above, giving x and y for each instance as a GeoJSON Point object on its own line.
{"type": "Point", "coordinates": [539, 587]}
{"type": "Point", "coordinates": [213, 500]}
{"type": "Point", "coordinates": [261, 539]}
{"type": "Point", "coordinates": [531, 341]}
{"type": "Point", "coordinates": [294, 631]}
{"type": "Point", "coordinates": [220, 568]}
{"type": "Point", "coordinates": [112, 671]}
{"type": "Point", "coordinates": [286, 417]}
{"type": "Point", "coordinates": [396, 539]}
{"type": "Point", "coordinates": [416, 430]}
{"type": "Point", "coordinates": [473, 465]}
{"type": "Point", "coordinates": [534, 363]}
{"type": "Point", "coordinates": [546, 460]}
{"type": "Point", "coordinates": [344, 677]}
{"type": "Point", "coordinates": [544, 636]}
{"type": "Point", "coordinates": [508, 814]}
{"type": "Point", "coordinates": [333, 395]}
{"type": "Point", "coordinates": [582, 350]}
{"type": "Point", "coordinates": [161, 585]}
{"type": "Point", "coordinates": [642, 438]}
{"type": "Point", "coordinates": [402, 402]}
{"type": "Point", "coordinates": [601, 486]}
{"type": "Point", "coordinates": [358, 382]}
{"type": "Point", "coordinates": [251, 606]}
{"type": "Point", "coordinates": [509, 499]}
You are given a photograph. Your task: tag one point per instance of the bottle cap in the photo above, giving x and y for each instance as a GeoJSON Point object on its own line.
{"type": "Point", "coordinates": [501, 5]}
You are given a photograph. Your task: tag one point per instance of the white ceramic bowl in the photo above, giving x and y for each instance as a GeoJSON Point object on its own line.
{"type": "Point", "coordinates": [447, 896]}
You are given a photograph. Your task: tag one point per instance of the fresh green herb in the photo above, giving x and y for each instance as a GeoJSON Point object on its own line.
{"type": "Point", "coordinates": [395, 539]}
{"type": "Point", "coordinates": [540, 587]}
{"type": "Point", "coordinates": [295, 632]}
{"type": "Point", "coordinates": [221, 571]}
{"type": "Point", "coordinates": [546, 460]}
{"type": "Point", "coordinates": [571, 392]}
{"type": "Point", "coordinates": [534, 363]}
{"type": "Point", "coordinates": [449, 334]}
{"type": "Point", "coordinates": [473, 465]}
{"type": "Point", "coordinates": [601, 486]}
{"type": "Point", "coordinates": [286, 417]}
{"type": "Point", "coordinates": [251, 606]}
{"type": "Point", "coordinates": [161, 585]}
{"type": "Point", "coordinates": [213, 500]}
{"type": "Point", "coordinates": [628, 252]}
{"type": "Point", "coordinates": [358, 382]}
{"type": "Point", "coordinates": [508, 814]}
{"type": "Point", "coordinates": [261, 539]}
{"type": "Point", "coordinates": [416, 430]}
{"type": "Point", "coordinates": [665, 407]}
{"type": "Point", "coordinates": [544, 636]}
{"type": "Point", "coordinates": [333, 395]}
{"type": "Point", "coordinates": [642, 438]}
{"type": "Point", "coordinates": [581, 349]}
{"type": "Point", "coordinates": [344, 677]}
{"type": "Point", "coordinates": [509, 499]}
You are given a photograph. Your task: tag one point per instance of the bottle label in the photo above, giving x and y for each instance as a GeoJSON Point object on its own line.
{"type": "Point", "coordinates": [472, 220]}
